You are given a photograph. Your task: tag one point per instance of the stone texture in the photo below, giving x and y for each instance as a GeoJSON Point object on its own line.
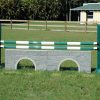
{"type": "Point", "coordinates": [48, 59]}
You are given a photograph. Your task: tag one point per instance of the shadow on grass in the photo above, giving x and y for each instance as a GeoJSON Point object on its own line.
{"type": "Point", "coordinates": [93, 69]}
{"type": "Point", "coordinates": [68, 69]}
{"type": "Point", "coordinates": [74, 69]}
{"type": "Point", "coordinates": [2, 66]}
{"type": "Point", "coordinates": [20, 67]}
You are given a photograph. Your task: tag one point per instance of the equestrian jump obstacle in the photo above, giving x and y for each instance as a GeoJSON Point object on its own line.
{"type": "Point", "coordinates": [49, 53]}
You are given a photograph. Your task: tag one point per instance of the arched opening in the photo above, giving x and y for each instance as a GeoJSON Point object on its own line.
{"type": "Point", "coordinates": [69, 64]}
{"type": "Point", "coordinates": [26, 64]}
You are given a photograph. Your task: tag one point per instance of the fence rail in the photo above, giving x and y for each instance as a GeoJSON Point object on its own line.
{"type": "Point", "coordinates": [70, 26]}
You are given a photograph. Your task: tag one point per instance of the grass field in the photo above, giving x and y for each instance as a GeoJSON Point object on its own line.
{"type": "Point", "coordinates": [30, 85]}
{"type": "Point", "coordinates": [43, 85]}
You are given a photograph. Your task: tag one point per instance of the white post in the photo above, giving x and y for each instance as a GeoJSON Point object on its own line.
{"type": "Point", "coordinates": [83, 17]}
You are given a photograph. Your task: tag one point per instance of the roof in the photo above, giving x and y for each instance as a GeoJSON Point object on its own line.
{"type": "Point", "coordinates": [89, 6]}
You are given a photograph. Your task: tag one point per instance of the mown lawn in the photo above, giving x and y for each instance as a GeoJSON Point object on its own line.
{"type": "Point", "coordinates": [46, 35]}
{"type": "Point", "coordinates": [45, 85]}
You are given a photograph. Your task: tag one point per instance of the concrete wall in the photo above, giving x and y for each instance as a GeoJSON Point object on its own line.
{"type": "Point", "coordinates": [83, 16]}
{"type": "Point", "coordinates": [96, 16]}
{"type": "Point", "coordinates": [48, 59]}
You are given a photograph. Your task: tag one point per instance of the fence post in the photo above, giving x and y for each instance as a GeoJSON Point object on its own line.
{"type": "Point", "coordinates": [98, 51]}
{"type": "Point", "coordinates": [28, 25]}
{"type": "Point", "coordinates": [65, 26]}
{"type": "Point", "coordinates": [85, 26]}
{"type": "Point", "coordinates": [11, 23]}
{"type": "Point", "coordinates": [46, 24]}
{"type": "Point", "coordinates": [0, 43]}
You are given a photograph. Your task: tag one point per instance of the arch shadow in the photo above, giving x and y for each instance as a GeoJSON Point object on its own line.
{"type": "Point", "coordinates": [17, 65]}
{"type": "Point", "coordinates": [71, 68]}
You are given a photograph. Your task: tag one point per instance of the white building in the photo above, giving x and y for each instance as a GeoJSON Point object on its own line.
{"type": "Point", "coordinates": [89, 12]}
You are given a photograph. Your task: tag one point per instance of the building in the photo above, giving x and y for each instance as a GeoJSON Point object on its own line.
{"type": "Point", "coordinates": [89, 12]}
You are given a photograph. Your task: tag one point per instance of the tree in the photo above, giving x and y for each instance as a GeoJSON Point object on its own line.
{"type": "Point", "coordinates": [38, 9]}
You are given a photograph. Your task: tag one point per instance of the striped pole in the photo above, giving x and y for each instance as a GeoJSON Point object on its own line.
{"type": "Point", "coordinates": [47, 43]}
{"type": "Point", "coordinates": [98, 51]}
{"type": "Point", "coordinates": [49, 47]}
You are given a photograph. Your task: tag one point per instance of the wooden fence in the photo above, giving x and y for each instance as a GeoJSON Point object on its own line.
{"type": "Point", "coordinates": [68, 26]}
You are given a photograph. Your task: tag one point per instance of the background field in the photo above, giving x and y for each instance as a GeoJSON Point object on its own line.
{"type": "Point", "coordinates": [44, 85]}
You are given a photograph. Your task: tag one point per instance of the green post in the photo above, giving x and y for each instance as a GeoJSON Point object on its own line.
{"type": "Point", "coordinates": [0, 43]}
{"type": "Point", "coordinates": [98, 51]}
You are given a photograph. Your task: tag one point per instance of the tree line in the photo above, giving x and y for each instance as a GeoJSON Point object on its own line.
{"type": "Point", "coordinates": [38, 9]}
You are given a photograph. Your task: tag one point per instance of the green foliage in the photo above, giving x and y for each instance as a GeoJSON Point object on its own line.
{"type": "Point", "coordinates": [37, 9]}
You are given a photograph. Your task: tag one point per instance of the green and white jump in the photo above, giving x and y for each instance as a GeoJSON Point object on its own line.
{"type": "Point", "coordinates": [45, 45]}
{"type": "Point", "coordinates": [48, 55]}
{"type": "Point", "coordinates": [51, 45]}
{"type": "Point", "coordinates": [47, 42]}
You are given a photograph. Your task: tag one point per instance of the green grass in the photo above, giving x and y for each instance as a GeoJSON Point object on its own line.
{"type": "Point", "coordinates": [8, 34]}
{"type": "Point", "coordinates": [30, 85]}
{"type": "Point", "coordinates": [44, 85]}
